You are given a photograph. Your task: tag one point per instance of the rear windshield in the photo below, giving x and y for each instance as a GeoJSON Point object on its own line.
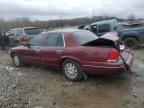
{"type": "Point", "coordinates": [32, 31]}
{"type": "Point", "coordinates": [84, 36]}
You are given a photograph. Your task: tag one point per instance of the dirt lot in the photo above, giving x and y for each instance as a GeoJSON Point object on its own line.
{"type": "Point", "coordinates": [33, 87]}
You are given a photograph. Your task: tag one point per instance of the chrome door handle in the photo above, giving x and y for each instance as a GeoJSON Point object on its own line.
{"type": "Point", "coordinates": [59, 51]}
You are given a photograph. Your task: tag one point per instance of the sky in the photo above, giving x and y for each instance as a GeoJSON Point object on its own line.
{"type": "Point", "coordinates": [65, 9]}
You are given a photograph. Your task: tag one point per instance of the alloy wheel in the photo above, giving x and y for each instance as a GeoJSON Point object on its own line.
{"type": "Point", "coordinates": [71, 70]}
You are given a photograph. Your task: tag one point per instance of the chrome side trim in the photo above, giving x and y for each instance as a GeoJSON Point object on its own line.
{"type": "Point", "coordinates": [112, 60]}
{"type": "Point", "coordinates": [103, 66]}
{"type": "Point", "coordinates": [108, 61]}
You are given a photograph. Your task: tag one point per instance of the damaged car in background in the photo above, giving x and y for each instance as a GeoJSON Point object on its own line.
{"type": "Point", "coordinates": [18, 36]}
{"type": "Point", "coordinates": [77, 53]}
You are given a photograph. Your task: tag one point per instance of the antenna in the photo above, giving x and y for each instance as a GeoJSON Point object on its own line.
{"type": "Point", "coordinates": [93, 14]}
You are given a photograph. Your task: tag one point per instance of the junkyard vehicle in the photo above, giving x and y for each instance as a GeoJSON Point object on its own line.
{"type": "Point", "coordinates": [20, 35]}
{"type": "Point", "coordinates": [4, 39]}
{"type": "Point", "coordinates": [75, 52]}
{"type": "Point", "coordinates": [130, 36]}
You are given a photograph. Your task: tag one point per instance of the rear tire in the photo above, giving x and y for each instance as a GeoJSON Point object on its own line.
{"type": "Point", "coordinates": [17, 61]}
{"type": "Point", "coordinates": [131, 42]}
{"type": "Point", "coordinates": [72, 70]}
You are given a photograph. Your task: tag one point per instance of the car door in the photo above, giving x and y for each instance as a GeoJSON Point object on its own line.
{"type": "Point", "coordinates": [142, 34]}
{"type": "Point", "coordinates": [52, 53]}
{"type": "Point", "coordinates": [12, 37]}
{"type": "Point", "coordinates": [32, 54]}
{"type": "Point", "coordinates": [102, 29]}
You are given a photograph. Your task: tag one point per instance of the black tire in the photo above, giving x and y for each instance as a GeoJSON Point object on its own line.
{"type": "Point", "coordinates": [73, 75]}
{"type": "Point", "coordinates": [17, 61]}
{"type": "Point", "coordinates": [131, 42]}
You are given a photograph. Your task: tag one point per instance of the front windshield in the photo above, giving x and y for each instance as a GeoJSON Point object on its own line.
{"type": "Point", "coordinates": [84, 36]}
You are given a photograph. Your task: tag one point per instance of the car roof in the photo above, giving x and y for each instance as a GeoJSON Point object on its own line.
{"type": "Point", "coordinates": [23, 28]}
{"type": "Point", "coordinates": [64, 30]}
{"type": "Point", "coordinates": [28, 27]}
{"type": "Point", "coordinates": [104, 21]}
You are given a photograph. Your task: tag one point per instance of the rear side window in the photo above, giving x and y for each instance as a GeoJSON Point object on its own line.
{"type": "Point", "coordinates": [55, 40]}
{"type": "Point", "coordinates": [32, 31]}
{"type": "Point", "coordinates": [103, 28]}
{"type": "Point", "coordinates": [60, 41]}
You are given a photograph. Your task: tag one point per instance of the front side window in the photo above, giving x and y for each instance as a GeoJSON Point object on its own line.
{"type": "Point", "coordinates": [38, 40]}
{"type": "Point", "coordinates": [55, 40]}
{"type": "Point", "coordinates": [103, 28]}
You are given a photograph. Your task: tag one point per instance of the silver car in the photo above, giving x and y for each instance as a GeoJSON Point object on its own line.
{"type": "Point", "coordinates": [20, 35]}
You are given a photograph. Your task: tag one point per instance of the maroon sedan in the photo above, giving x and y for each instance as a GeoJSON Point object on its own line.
{"type": "Point", "coordinates": [76, 52]}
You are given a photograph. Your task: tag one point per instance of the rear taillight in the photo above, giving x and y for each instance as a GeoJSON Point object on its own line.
{"type": "Point", "coordinates": [24, 38]}
{"type": "Point", "coordinates": [113, 55]}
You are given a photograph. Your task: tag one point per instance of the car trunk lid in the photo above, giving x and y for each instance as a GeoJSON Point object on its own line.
{"type": "Point", "coordinates": [110, 39]}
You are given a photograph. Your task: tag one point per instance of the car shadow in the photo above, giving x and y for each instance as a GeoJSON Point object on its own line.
{"type": "Point", "coordinates": [140, 47]}
{"type": "Point", "coordinates": [111, 79]}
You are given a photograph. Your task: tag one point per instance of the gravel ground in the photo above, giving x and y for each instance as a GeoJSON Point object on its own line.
{"type": "Point", "coordinates": [34, 87]}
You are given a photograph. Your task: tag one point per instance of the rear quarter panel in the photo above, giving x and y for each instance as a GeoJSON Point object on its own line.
{"type": "Point", "coordinates": [84, 54]}
{"type": "Point", "coordinates": [87, 55]}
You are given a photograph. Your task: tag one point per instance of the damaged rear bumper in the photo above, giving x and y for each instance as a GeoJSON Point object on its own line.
{"type": "Point", "coordinates": [104, 70]}
{"type": "Point", "coordinates": [107, 68]}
